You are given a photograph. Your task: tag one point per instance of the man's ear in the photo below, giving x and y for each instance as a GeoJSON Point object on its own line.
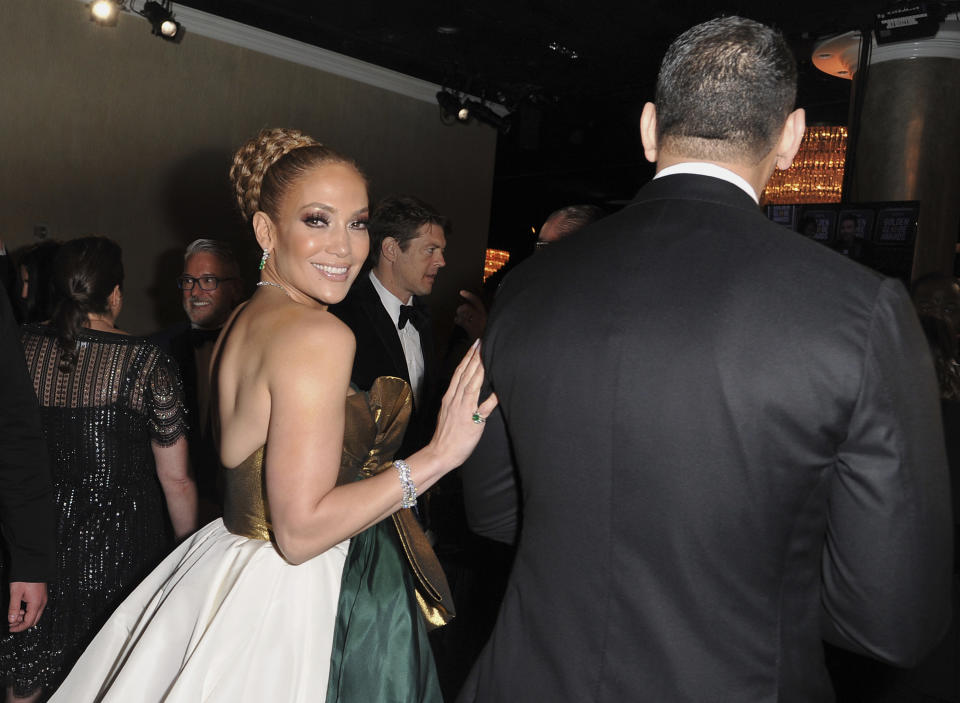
{"type": "Point", "coordinates": [790, 138]}
{"type": "Point", "coordinates": [648, 132]}
{"type": "Point", "coordinates": [264, 230]}
{"type": "Point", "coordinates": [389, 249]}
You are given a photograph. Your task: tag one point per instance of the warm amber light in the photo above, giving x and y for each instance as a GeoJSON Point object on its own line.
{"type": "Point", "coordinates": [495, 260]}
{"type": "Point", "coordinates": [816, 175]}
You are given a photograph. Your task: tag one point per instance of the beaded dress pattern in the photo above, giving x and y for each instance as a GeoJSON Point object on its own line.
{"type": "Point", "coordinates": [99, 422]}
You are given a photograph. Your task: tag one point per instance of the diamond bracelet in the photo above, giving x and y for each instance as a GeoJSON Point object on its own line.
{"type": "Point", "coordinates": [409, 487]}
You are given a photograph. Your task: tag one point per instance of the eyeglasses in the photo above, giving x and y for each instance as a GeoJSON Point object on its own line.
{"type": "Point", "coordinates": [205, 282]}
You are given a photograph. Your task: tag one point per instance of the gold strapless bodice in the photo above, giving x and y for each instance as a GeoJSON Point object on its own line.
{"type": "Point", "coordinates": [374, 426]}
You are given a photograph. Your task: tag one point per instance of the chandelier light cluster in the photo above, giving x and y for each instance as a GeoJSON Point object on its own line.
{"type": "Point", "coordinates": [816, 175]}
{"type": "Point", "coordinates": [158, 14]}
{"type": "Point", "coordinates": [496, 259]}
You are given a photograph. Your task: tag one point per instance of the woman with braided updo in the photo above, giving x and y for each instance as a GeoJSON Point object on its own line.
{"type": "Point", "coordinates": [114, 422]}
{"type": "Point", "coordinates": [302, 591]}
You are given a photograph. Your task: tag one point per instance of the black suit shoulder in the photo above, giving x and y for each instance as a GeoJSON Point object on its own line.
{"type": "Point", "coordinates": [378, 352]}
{"type": "Point", "coordinates": [172, 337]}
{"type": "Point", "coordinates": [26, 494]}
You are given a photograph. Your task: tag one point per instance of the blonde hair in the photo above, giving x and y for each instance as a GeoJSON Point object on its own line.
{"type": "Point", "coordinates": [266, 166]}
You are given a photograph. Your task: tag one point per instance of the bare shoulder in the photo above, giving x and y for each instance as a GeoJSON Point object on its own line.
{"type": "Point", "coordinates": [306, 337]}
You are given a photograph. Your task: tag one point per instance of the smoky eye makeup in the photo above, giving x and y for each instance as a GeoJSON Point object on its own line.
{"type": "Point", "coordinates": [316, 219]}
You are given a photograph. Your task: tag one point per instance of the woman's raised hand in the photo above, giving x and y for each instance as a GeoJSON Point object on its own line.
{"type": "Point", "coordinates": [461, 418]}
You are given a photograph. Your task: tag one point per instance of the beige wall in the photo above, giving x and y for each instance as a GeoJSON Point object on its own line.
{"type": "Point", "coordinates": [113, 131]}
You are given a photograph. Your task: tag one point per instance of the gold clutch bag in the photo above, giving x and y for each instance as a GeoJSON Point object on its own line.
{"type": "Point", "coordinates": [430, 583]}
{"type": "Point", "coordinates": [390, 400]}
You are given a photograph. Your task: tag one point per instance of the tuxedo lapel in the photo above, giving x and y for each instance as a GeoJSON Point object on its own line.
{"type": "Point", "coordinates": [381, 323]}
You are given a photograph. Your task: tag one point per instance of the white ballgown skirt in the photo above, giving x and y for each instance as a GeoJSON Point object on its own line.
{"type": "Point", "coordinates": [223, 618]}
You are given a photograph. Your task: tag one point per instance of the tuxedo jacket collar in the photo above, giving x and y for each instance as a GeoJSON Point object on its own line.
{"type": "Point", "coordinates": [689, 186]}
{"type": "Point", "coordinates": [369, 301]}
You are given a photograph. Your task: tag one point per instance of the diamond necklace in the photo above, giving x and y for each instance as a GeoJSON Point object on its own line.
{"type": "Point", "coordinates": [271, 283]}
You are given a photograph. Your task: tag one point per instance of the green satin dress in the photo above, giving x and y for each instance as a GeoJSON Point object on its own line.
{"type": "Point", "coordinates": [380, 647]}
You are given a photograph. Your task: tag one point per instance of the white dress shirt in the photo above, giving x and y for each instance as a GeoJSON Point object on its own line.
{"type": "Point", "coordinates": [701, 168]}
{"type": "Point", "coordinates": [409, 336]}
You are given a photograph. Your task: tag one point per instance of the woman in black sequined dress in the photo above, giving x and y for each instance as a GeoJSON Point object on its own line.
{"type": "Point", "coordinates": [114, 421]}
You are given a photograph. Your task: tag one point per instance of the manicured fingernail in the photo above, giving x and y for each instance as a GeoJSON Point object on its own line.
{"type": "Point", "coordinates": [476, 343]}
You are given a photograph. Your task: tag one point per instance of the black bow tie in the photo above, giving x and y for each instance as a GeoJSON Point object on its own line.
{"type": "Point", "coordinates": [414, 314]}
{"type": "Point", "coordinates": [200, 337]}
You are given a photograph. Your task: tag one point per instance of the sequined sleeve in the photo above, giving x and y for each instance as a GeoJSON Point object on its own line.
{"type": "Point", "coordinates": [166, 409]}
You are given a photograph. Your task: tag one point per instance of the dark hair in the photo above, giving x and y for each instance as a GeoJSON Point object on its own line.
{"type": "Point", "coordinates": [267, 165]}
{"type": "Point", "coordinates": [569, 219]}
{"type": "Point", "coordinates": [724, 90]}
{"type": "Point", "coordinates": [37, 259]}
{"type": "Point", "coordinates": [85, 272]}
{"type": "Point", "coordinates": [400, 217]}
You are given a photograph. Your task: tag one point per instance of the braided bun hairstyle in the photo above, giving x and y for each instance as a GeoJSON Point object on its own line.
{"type": "Point", "coordinates": [85, 272]}
{"type": "Point", "coordinates": [266, 166]}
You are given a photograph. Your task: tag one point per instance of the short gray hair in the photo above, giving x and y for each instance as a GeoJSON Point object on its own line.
{"type": "Point", "coordinates": [571, 218]}
{"type": "Point", "coordinates": [219, 249]}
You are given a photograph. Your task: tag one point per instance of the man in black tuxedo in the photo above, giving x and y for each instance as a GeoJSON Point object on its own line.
{"type": "Point", "coordinates": [727, 436]}
{"type": "Point", "coordinates": [210, 287]}
{"type": "Point", "coordinates": [26, 496]}
{"type": "Point", "coordinates": [387, 314]}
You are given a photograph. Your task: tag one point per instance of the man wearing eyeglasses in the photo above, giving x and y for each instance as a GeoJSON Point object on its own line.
{"type": "Point", "coordinates": [210, 289]}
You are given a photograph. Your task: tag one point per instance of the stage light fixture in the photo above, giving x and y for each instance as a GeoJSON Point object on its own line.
{"type": "Point", "coordinates": [484, 114]}
{"type": "Point", "coordinates": [105, 12]}
{"type": "Point", "coordinates": [161, 20]}
{"type": "Point", "coordinates": [449, 104]}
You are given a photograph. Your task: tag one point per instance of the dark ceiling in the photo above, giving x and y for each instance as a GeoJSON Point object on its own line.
{"type": "Point", "coordinates": [509, 51]}
{"type": "Point", "coordinates": [574, 73]}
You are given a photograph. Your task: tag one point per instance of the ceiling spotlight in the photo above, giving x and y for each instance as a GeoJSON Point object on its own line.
{"type": "Point", "coordinates": [161, 19]}
{"type": "Point", "coordinates": [449, 104]}
{"type": "Point", "coordinates": [463, 114]}
{"type": "Point", "coordinates": [105, 12]}
{"type": "Point", "coordinates": [484, 113]}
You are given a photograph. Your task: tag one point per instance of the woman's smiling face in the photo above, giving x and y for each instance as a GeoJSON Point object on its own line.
{"type": "Point", "coordinates": [321, 238]}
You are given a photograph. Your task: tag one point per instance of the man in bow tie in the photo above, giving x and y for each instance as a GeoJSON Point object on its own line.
{"type": "Point", "coordinates": [211, 288]}
{"type": "Point", "coordinates": [385, 311]}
